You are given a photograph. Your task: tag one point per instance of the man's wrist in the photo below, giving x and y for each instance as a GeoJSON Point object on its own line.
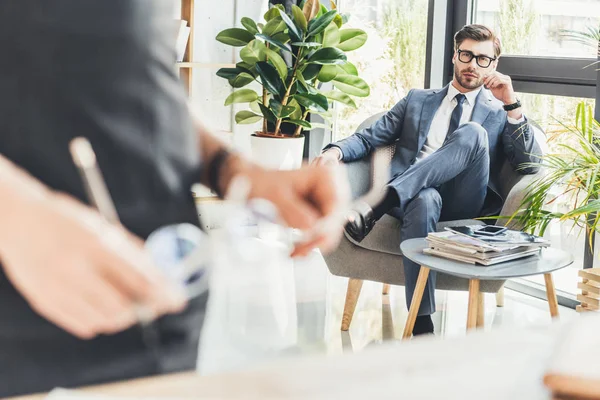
{"type": "Point", "coordinates": [337, 152]}
{"type": "Point", "coordinates": [235, 165]}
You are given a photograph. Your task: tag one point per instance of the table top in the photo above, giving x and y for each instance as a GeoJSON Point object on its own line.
{"type": "Point", "coordinates": [549, 259]}
{"type": "Point", "coordinates": [503, 364]}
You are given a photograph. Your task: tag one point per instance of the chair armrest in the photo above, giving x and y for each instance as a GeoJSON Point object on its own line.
{"type": "Point", "coordinates": [359, 177]}
{"type": "Point", "coordinates": [515, 198]}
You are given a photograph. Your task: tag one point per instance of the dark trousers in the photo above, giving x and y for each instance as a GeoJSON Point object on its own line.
{"type": "Point", "coordinates": [449, 184]}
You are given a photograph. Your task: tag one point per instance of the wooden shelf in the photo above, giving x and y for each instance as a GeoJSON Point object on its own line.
{"type": "Point", "coordinates": [186, 64]}
{"type": "Point", "coordinates": [187, 14]}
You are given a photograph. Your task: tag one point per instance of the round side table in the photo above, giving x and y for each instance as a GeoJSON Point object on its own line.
{"type": "Point", "coordinates": [547, 261]}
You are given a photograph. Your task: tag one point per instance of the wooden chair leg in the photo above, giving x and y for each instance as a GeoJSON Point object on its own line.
{"type": "Point", "coordinates": [473, 303]}
{"type": "Point", "coordinates": [480, 310]}
{"type": "Point", "coordinates": [416, 302]}
{"type": "Point", "coordinates": [551, 293]}
{"type": "Point", "coordinates": [500, 297]}
{"type": "Point", "coordinates": [352, 293]}
{"type": "Point", "coordinates": [386, 288]}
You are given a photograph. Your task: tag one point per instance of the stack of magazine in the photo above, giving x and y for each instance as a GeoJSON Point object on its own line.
{"type": "Point", "coordinates": [464, 243]}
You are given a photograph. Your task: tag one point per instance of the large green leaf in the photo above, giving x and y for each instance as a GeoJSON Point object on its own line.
{"type": "Point", "coordinates": [300, 122]}
{"type": "Point", "coordinates": [307, 44]}
{"type": "Point", "coordinates": [241, 96]}
{"type": "Point", "coordinates": [316, 102]}
{"type": "Point", "coordinates": [280, 110]}
{"type": "Point", "coordinates": [241, 80]}
{"type": "Point", "coordinates": [268, 114]}
{"type": "Point", "coordinates": [328, 72]}
{"type": "Point", "coordinates": [281, 37]}
{"type": "Point", "coordinates": [299, 18]}
{"type": "Point", "coordinates": [341, 97]}
{"type": "Point", "coordinates": [278, 63]}
{"type": "Point", "coordinates": [254, 52]}
{"type": "Point", "coordinates": [228, 73]}
{"type": "Point", "coordinates": [250, 25]}
{"type": "Point", "coordinates": [294, 32]}
{"type": "Point", "coordinates": [338, 20]}
{"type": "Point", "coordinates": [297, 114]}
{"type": "Point", "coordinates": [273, 12]}
{"type": "Point", "coordinates": [351, 39]}
{"type": "Point", "coordinates": [270, 79]}
{"type": "Point", "coordinates": [352, 85]}
{"type": "Point", "coordinates": [311, 71]}
{"type": "Point", "coordinates": [235, 37]}
{"type": "Point", "coordinates": [348, 68]}
{"type": "Point", "coordinates": [274, 27]}
{"type": "Point", "coordinates": [327, 55]}
{"type": "Point", "coordinates": [274, 42]}
{"type": "Point", "coordinates": [331, 36]}
{"type": "Point", "coordinates": [254, 106]}
{"type": "Point", "coordinates": [245, 67]}
{"type": "Point", "coordinates": [247, 117]}
{"type": "Point", "coordinates": [318, 25]}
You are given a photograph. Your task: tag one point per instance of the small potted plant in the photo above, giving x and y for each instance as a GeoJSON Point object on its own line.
{"type": "Point", "coordinates": [290, 55]}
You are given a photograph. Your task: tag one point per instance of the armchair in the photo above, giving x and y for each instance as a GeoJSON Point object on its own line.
{"type": "Point", "coordinates": [378, 257]}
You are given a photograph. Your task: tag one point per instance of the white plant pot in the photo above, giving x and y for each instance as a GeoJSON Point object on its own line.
{"type": "Point", "coordinates": [283, 153]}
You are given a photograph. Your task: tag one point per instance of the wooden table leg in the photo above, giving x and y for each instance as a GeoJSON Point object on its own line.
{"type": "Point", "coordinates": [480, 310]}
{"type": "Point", "coordinates": [352, 293]}
{"type": "Point", "coordinates": [473, 303]}
{"type": "Point", "coordinates": [551, 293]}
{"type": "Point", "coordinates": [386, 288]}
{"type": "Point", "coordinates": [416, 302]}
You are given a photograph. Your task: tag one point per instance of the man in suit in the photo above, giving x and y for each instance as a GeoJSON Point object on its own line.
{"type": "Point", "coordinates": [450, 146]}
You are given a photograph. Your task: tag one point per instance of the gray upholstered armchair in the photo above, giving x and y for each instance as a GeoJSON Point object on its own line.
{"type": "Point", "coordinates": [377, 257]}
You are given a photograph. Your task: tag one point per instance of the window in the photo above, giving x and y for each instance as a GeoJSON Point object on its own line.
{"type": "Point", "coordinates": [537, 27]}
{"type": "Point", "coordinates": [393, 59]}
{"type": "Point", "coordinates": [552, 113]}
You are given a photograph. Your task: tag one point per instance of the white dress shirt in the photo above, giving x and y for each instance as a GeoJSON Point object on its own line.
{"type": "Point", "coordinates": [441, 120]}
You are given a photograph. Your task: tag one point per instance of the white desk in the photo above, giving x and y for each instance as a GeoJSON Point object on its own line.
{"type": "Point", "coordinates": [505, 364]}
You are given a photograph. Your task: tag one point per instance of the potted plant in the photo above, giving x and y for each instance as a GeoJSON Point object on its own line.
{"type": "Point", "coordinates": [290, 55]}
{"type": "Point", "coordinates": [572, 177]}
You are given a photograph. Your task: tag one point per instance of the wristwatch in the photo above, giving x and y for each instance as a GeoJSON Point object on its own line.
{"type": "Point", "coordinates": [513, 106]}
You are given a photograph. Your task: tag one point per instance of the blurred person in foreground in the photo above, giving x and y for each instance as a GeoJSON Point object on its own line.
{"type": "Point", "coordinates": [69, 280]}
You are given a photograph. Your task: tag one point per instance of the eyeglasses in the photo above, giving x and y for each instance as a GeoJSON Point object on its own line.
{"type": "Point", "coordinates": [466, 57]}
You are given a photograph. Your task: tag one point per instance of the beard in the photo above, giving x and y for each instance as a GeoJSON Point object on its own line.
{"type": "Point", "coordinates": [467, 82]}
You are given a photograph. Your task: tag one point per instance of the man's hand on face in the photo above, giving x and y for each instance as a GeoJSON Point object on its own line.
{"type": "Point", "coordinates": [80, 272]}
{"type": "Point", "coordinates": [501, 87]}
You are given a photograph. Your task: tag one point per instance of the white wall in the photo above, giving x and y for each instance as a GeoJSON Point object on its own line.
{"type": "Point", "coordinates": [210, 91]}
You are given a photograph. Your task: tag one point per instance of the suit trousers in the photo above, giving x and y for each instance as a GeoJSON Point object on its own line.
{"type": "Point", "coordinates": [447, 185]}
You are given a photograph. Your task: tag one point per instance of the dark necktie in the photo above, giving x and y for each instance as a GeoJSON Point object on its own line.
{"type": "Point", "coordinates": [456, 114]}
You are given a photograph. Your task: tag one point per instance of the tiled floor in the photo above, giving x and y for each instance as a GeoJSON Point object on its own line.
{"type": "Point", "coordinates": [320, 296]}
{"type": "Point", "coordinates": [320, 300]}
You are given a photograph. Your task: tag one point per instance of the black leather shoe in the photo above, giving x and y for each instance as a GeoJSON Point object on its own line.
{"type": "Point", "coordinates": [360, 222]}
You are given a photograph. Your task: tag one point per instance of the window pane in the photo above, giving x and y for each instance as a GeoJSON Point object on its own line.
{"type": "Point", "coordinates": [392, 61]}
{"type": "Point", "coordinates": [535, 27]}
{"type": "Point", "coordinates": [553, 113]}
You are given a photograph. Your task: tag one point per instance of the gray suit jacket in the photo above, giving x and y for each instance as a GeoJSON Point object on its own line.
{"type": "Point", "coordinates": [407, 124]}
